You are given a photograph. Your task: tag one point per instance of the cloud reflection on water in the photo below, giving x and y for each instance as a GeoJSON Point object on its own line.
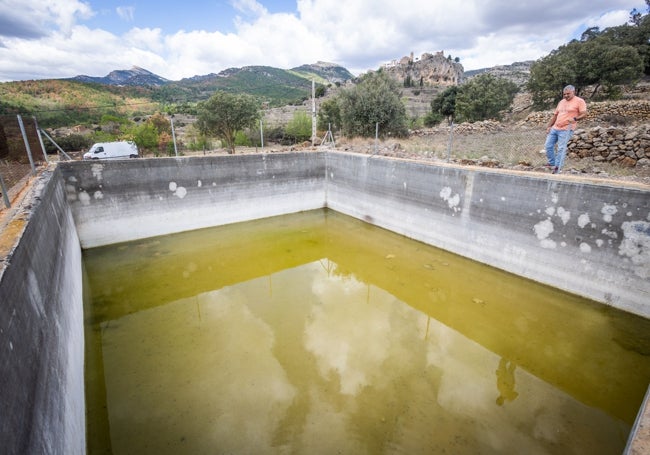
{"type": "Point", "coordinates": [312, 361]}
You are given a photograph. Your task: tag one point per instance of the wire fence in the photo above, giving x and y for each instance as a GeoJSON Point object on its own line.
{"type": "Point", "coordinates": [595, 151]}
{"type": "Point", "coordinates": [600, 152]}
{"type": "Point", "coordinates": [22, 154]}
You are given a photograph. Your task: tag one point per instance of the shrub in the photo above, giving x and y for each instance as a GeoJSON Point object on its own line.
{"type": "Point", "coordinates": [299, 127]}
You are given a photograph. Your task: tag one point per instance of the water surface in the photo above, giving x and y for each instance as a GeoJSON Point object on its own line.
{"type": "Point", "coordinates": [317, 333]}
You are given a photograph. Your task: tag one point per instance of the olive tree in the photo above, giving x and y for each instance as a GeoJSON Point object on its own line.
{"type": "Point", "coordinates": [443, 106]}
{"type": "Point", "coordinates": [484, 97]}
{"type": "Point", "coordinates": [224, 114]}
{"type": "Point", "coordinates": [600, 60]}
{"type": "Point", "coordinates": [375, 99]}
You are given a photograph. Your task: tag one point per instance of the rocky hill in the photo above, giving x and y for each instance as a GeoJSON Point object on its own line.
{"type": "Point", "coordinates": [325, 72]}
{"type": "Point", "coordinates": [426, 71]}
{"type": "Point", "coordinates": [517, 72]}
{"type": "Point", "coordinates": [136, 76]}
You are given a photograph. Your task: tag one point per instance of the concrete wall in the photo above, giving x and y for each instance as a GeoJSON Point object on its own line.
{"type": "Point", "coordinates": [593, 240]}
{"type": "Point", "coordinates": [585, 238]}
{"type": "Point", "coordinates": [588, 239]}
{"type": "Point", "coordinates": [117, 201]}
{"type": "Point", "coordinates": [41, 332]}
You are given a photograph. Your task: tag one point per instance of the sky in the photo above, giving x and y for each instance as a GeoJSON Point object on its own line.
{"type": "Point", "coordinates": [43, 39]}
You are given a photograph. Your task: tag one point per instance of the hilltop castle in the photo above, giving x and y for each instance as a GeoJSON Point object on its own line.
{"type": "Point", "coordinates": [427, 70]}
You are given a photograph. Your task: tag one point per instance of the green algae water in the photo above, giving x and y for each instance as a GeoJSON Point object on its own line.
{"type": "Point", "coordinates": [316, 333]}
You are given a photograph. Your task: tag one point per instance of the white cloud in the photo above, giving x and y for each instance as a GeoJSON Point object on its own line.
{"type": "Point", "coordinates": [126, 13]}
{"type": "Point", "coordinates": [249, 7]}
{"type": "Point", "coordinates": [365, 35]}
{"type": "Point", "coordinates": [30, 19]}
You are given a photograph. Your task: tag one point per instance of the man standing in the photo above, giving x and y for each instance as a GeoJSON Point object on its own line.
{"type": "Point", "coordinates": [561, 126]}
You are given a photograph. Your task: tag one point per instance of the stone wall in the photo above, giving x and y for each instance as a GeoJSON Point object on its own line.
{"type": "Point", "coordinates": [606, 112]}
{"type": "Point", "coordinates": [607, 140]}
{"type": "Point", "coordinates": [628, 147]}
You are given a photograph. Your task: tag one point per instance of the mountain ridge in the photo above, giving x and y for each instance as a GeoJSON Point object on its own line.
{"type": "Point", "coordinates": [137, 76]}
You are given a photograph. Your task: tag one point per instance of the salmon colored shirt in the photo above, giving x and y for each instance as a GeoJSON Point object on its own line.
{"type": "Point", "coordinates": [566, 110]}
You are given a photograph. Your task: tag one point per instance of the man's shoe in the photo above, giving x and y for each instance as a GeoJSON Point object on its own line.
{"type": "Point", "coordinates": [556, 170]}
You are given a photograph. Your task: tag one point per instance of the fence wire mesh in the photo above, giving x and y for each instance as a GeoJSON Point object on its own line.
{"type": "Point", "coordinates": [485, 144]}
{"type": "Point", "coordinates": [613, 153]}
{"type": "Point", "coordinates": [21, 154]}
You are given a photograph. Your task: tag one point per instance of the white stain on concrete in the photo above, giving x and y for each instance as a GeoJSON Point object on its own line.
{"type": "Point", "coordinates": [542, 230]}
{"type": "Point", "coordinates": [98, 195]}
{"type": "Point", "coordinates": [179, 191]}
{"type": "Point", "coordinates": [555, 197]}
{"type": "Point", "coordinates": [636, 246]}
{"type": "Point", "coordinates": [199, 184]}
{"type": "Point", "coordinates": [564, 215]}
{"type": "Point", "coordinates": [583, 220]}
{"type": "Point", "coordinates": [608, 211]}
{"type": "Point", "coordinates": [97, 170]}
{"type": "Point", "coordinates": [550, 211]}
{"type": "Point", "coordinates": [452, 201]}
{"type": "Point", "coordinates": [600, 243]}
{"type": "Point", "coordinates": [585, 247]}
{"type": "Point", "coordinates": [84, 198]}
{"type": "Point", "coordinates": [610, 234]}
{"type": "Point", "coordinates": [548, 244]}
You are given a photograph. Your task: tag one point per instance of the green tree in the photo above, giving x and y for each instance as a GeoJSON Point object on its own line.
{"type": "Point", "coordinates": [444, 106]}
{"type": "Point", "coordinates": [320, 90]}
{"type": "Point", "coordinates": [224, 114]}
{"type": "Point", "coordinates": [329, 115]}
{"type": "Point", "coordinates": [484, 97]}
{"type": "Point", "coordinates": [145, 136]}
{"type": "Point", "coordinates": [636, 34]}
{"type": "Point", "coordinates": [596, 62]}
{"type": "Point", "coordinates": [375, 99]}
{"type": "Point", "coordinates": [299, 127]}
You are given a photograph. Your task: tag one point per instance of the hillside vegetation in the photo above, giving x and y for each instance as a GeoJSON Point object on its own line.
{"type": "Point", "coordinates": [61, 102]}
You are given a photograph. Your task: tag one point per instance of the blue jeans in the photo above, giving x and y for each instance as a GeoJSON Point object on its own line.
{"type": "Point", "coordinates": [561, 138]}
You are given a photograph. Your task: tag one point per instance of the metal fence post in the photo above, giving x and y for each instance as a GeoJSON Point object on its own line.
{"type": "Point", "coordinates": [376, 137]}
{"type": "Point", "coordinates": [171, 120]}
{"type": "Point", "coordinates": [27, 147]}
{"type": "Point", "coordinates": [5, 196]}
{"type": "Point", "coordinates": [40, 139]}
{"type": "Point", "coordinates": [262, 134]}
{"type": "Point", "coordinates": [451, 137]}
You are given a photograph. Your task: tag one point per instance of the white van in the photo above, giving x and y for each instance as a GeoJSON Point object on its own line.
{"type": "Point", "coordinates": [112, 150]}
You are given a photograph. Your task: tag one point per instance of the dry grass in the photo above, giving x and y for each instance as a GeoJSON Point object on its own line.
{"type": "Point", "coordinates": [520, 148]}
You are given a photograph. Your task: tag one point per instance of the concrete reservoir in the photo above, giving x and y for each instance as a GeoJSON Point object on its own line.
{"type": "Point", "coordinates": [590, 239]}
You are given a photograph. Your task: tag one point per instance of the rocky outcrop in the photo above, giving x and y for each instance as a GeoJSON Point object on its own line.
{"type": "Point", "coordinates": [425, 71]}
{"type": "Point", "coordinates": [518, 72]}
